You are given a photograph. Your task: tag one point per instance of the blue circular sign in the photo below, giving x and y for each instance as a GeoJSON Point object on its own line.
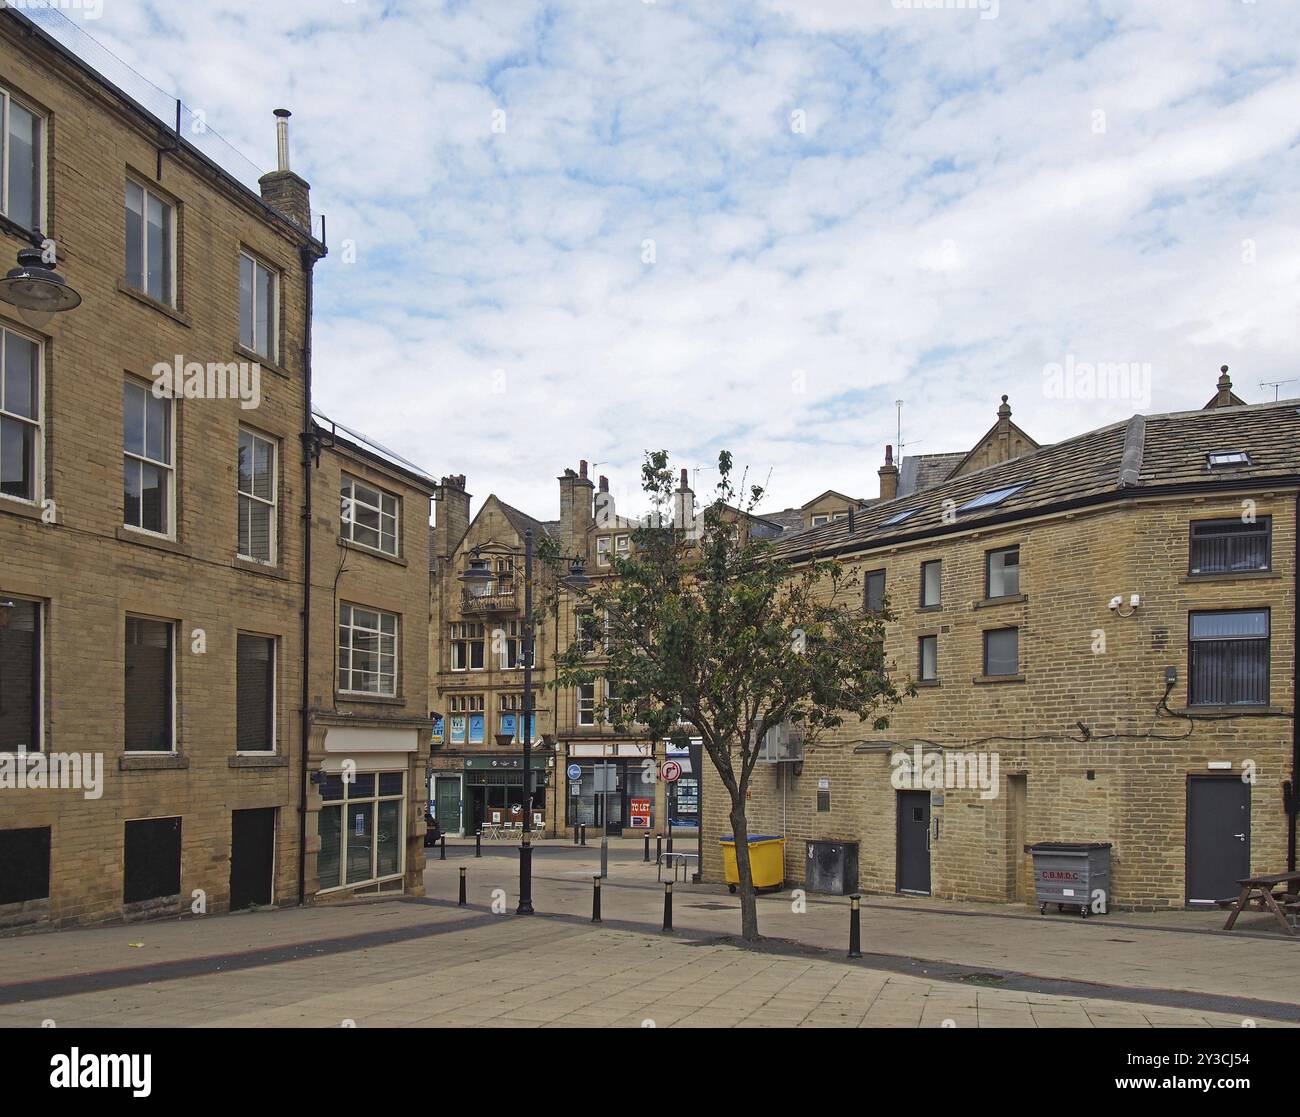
{"type": "Point", "coordinates": [575, 772]}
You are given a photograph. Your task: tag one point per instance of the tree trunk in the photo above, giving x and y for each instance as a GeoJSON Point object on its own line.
{"type": "Point", "coordinates": [748, 901]}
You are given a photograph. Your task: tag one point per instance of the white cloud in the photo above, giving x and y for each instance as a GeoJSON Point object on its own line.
{"type": "Point", "coordinates": [950, 220]}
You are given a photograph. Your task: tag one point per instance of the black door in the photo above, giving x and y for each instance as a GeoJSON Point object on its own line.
{"type": "Point", "coordinates": [252, 857]}
{"type": "Point", "coordinates": [914, 842]}
{"type": "Point", "coordinates": [1218, 838]}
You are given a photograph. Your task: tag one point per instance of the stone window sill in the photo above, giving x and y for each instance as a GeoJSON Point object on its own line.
{"type": "Point", "coordinates": [926, 682]}
{"type": "Point", "coordinates": [261, 360]}
{"type": "Point", "coordinates": [252, 566]}
{"type": "Point", "coordinates": [1010, 599]}
{"type": "Point", "coordinates": [145, 539]}
{"type": "Point", "coordinates": [257, 760]}
{"type": "Point", "coordinates": [15, 506]}
{"type": "Point", "coordinates": [982, 679]}
{"type": "Point", "coordinates": [149, 301]}
{"type": "Point", "coordinates": [147, 762]}
{"type": "Point", "coordinates": [373, 552]}
{"type": "Point", "coordinates": [369, 699]}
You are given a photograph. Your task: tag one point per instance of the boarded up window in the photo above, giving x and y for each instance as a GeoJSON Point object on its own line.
{"type": "Point", "coordinates": [152, 859]}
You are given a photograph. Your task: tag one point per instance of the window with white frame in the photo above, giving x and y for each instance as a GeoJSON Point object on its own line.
{"type": "Point", "coordinates": [259, 314]}
{"type": "Point", "coordinates": [510, 636]}
{"type": "Point", "coordinates": [510, 718]}
{"type": "Point", "coordinates": [361, 826]}
{"type": "Point", "coordinates": [367, 650]}
{"type": "Point", "coordinates": [150, 243]}
{"type": "Point", "coordinates": [21, 425]}
{"type": "Point", "coordinates": [369, 515]}
{"type": "Point", "coordinates": [23, 164]}
{"type": "Point", "coordinates": [257, 495]}
{"type": "Point", "coordinates": [461, 708]}
{"type": "Point", "coordinates": [622, 546]}
{"type": "Point", "coordinates": [602, 550]}
{"type": "Point", "coordinates": [148, 482]}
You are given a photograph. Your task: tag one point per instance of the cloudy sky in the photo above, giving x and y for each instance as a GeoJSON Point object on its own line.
{"type": "Point", "coordinates": [587, 228]}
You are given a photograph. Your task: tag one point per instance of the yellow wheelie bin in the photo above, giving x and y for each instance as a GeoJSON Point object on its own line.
{"type": "Point", "coordinates": [766, 861]}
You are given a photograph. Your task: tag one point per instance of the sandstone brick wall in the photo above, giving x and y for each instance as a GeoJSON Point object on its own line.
{"type": "Point", "coordinates": [1130, 790]}
{"type": "Point", "coordinates": [88, 570]}
{"type": "Point", "coordinates": [345, 572]}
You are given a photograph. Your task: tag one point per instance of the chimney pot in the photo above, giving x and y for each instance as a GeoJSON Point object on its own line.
{"type": "Point", "coordinates": [582, 468]}
{"type": "Point", "coordinates": [282, 138]}
{"type": "Point", "coordinates": [684, 485]}
{"type": "Point", "coordinates": [604, 483]}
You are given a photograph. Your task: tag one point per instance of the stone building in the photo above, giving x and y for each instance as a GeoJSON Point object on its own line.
{"type": "Point", "coordinates": [477, 678]}
{"type": "Point", "coordinates": [1102, 637]}
{"type": "Point", "coordinates": [155, 572]}
{"type": "Point", "coordinates": [368, 748]}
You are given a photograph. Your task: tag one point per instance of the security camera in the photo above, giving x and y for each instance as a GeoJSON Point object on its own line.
{"type": "Point", "coordinates": [1115, 601]}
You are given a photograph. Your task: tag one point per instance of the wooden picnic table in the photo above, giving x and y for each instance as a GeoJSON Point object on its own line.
{"type": "Point", "coordinates": [1261, 892]}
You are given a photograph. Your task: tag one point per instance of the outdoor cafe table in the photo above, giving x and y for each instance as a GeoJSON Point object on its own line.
{"type": "Point", "coordinates": [1260, 891]}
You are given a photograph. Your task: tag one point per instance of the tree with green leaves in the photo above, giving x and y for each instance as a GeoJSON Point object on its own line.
{"type": "Point", "coordinates": [702, 630]}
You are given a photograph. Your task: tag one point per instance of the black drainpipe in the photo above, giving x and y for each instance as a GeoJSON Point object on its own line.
{"type": "Point", "coordinates": [309, 259]}
{"type": "Point", "coordinates": [1291, 792]}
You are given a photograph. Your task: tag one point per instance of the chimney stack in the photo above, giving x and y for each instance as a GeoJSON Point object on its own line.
{"type": "Point", "coordinates": [283, 190]}
{"type": "Point", "coordinates": [452, 519]}
{"type": "Point", "coordinates": [684, 504]}
{"type": "Point", "coordinates": [604, 483]}
{"type": "Point", "coordinates": [888, 476]}
{"type": "Point", "coordinates": [576, 512]}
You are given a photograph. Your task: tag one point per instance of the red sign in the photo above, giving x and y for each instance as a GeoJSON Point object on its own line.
{"type": "Point", "coordinates": [671, 771]}
{"type": "Point", "coordinates": [639, 809]}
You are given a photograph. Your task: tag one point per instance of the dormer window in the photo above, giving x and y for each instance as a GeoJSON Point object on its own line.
{"type": "Point", "coordinates": [1226, 459]}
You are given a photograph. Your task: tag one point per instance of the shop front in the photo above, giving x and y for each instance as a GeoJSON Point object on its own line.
{"type": "Point", "coordinates": [365, 820]}
{"type": "Point", "coordinates": [613, 787]}
{"type": "Point", "coordinates": [494, 793]}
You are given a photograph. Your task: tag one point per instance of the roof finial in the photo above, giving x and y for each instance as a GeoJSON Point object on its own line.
{"type": "Point", "coordinates": [1004, 412]}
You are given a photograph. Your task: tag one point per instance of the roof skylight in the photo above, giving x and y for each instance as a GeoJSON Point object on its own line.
{"type": "Point", "coordinates": [897, 518]}
{"type": "Point", "coordinates": [991, 499]}
{"type": "Point", "coordinates": [1225, 459]}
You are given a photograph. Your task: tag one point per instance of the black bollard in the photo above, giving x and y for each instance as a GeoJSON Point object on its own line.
{"type": "Point", "coordinates": [582, 830]}
{"type": "Point", "coordinates": [442, 855]}
{"type": "Point", "coordinates": [575, 833]}
{"type": "Point", "coordinates": [668, 905]}
{"type": "Point", "coordinates": [525, 876]}
{"type": "Point", "coordinates": [478, 842]}
{"type": "Point", "coordinates": [647, 849]}
{"type": "Point", "coordinates": [461, 901]}
{"type": "Point", "coordinates": [855, 927]}
{"type": "Point", "coordinates": [595, 899]}
{"type": "Point", "coordinates": [659, 849]}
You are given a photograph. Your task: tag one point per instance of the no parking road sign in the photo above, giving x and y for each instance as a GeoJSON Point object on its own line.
{"type": "Point", "coordinates": [671, 771]}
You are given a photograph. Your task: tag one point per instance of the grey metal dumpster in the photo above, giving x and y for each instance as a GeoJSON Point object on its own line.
{"type": "Point", "coordinates": [1071, 874]}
